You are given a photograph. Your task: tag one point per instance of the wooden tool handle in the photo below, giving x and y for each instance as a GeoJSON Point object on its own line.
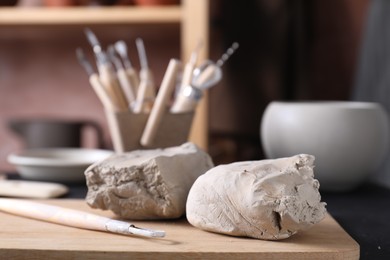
{"type": "Point", "coordinates": [54, 214]}
{"type": "Point", "coordinates": [187, 75]}
{"type": "Point", "coordinates": [126, 85]}
{"type": "Point", "coordinates": [205, 76]}
{"type": "Point", "coordinates": [156, 114]}
{"type": "Point", "coordinates": [146, 93]}
{"type": "Point", "coordinates": [110, 82]}
{"type": "Point", "coordinates": [133, 78]}
{"type": "Point", "coordinates": [73, 218]}
{"type": "Point", "coordinates": [186, 100]}
{"type": "Point", "coordinates": [102, 93]}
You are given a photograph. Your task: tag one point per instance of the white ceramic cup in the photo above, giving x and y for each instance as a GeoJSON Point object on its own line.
{"type": "Point", "coordinates": [348, 139]}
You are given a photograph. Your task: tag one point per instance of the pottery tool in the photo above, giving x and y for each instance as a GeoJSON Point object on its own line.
{"type": "Point", "coordinates": [106, 72]}
{"type": "Point", "coordinates": [73, 218]}
{"type": "Point", "coordinates": [210, 73]}
{"type": "Point", "coordinates": [204, 77]}
{"type": "Point", "coordinates": [189, 67]}
{"type": "Point", "coordinates": [159, 106]}
{"type": "Point", "coordinates": [186, 100]}
{"type": "Point", "coordinates": [146, 90]}
{"type": "Point", "coordinates": [121, 49]}
{"type": "Point", "coordinates": [123, 78]}
{"type": "Point", "coordinates": [94, 80]}
{"type": "Point", "coordinates": [188, 97]}
{"type": "Point", "coordinates": [31, 189]}
{"type": "Point", "coordinates": [96, 47]}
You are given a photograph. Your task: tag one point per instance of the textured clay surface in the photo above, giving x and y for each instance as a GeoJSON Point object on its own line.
{"type": "Point", "coordinates": [146, 184]}
{"type": "Point", "coordinates": [268, 199]}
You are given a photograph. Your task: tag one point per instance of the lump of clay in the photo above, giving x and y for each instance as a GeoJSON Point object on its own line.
{"type": "Point", "coordinates": [268, 199]}
{"type": "Point", "coordinates": [146, 184]}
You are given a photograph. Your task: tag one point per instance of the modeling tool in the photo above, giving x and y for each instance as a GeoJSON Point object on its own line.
{"type": "Point", "coordinates": [73, 218]}
{"type": "Point", "coordinates": [146, 90]}
{"type": "Point", "coordinates": [210, 73]}
{"type": "Point", "coordinates": [94, 80]}
{"type": "Point", "coordinates": [123, 78]}
{"type": "Point", "coordinates": [121, 49]}
{"type": "Point", "coordinates": [106, 72]}
{"type": "Point", "coordinates": [204, 77]}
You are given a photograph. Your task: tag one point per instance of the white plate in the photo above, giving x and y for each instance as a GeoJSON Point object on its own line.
{"type": "Point", "coordinates": [56, 164]}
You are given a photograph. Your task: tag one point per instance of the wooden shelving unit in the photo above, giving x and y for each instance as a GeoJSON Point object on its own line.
{"type": "Point", "coordinates": [192, 15]}
{"type": "Point", "coordinates": [89, 15]}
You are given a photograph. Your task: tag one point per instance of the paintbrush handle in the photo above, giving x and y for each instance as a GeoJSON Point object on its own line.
{"type": "Point", "coordinates": [158, 109]}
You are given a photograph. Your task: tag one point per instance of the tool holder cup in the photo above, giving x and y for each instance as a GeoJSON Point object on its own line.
{"type": "Point", "coordinates": [126, 129]}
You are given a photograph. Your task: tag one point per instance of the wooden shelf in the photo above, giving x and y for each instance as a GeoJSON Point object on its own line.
{"type": "Point", "coordinates": [11, 16]}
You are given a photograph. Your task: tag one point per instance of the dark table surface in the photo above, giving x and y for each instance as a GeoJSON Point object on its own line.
{"type": "Point", "coordinates": [364, 214]}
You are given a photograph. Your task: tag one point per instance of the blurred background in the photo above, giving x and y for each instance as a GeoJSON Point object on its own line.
{"type": "Point", "coordinates": [289, 50]}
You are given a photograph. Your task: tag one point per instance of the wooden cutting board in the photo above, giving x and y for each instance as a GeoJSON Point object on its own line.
{"type": "Point", "coordinates": [22, 238]}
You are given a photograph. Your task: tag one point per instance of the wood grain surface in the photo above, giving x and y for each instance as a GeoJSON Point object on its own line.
{"type": "Point", "coordinates": [22, 238]}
